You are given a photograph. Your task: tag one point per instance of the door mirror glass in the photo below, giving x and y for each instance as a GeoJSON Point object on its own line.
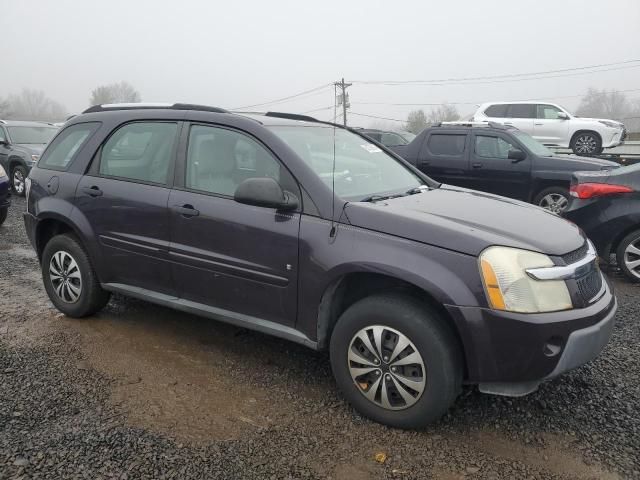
{"type": "Point", "coordinates": [265, 192]}
{"type": "Point", "coordinates": [563, 116]}
{"type": "Point", "coordinates": [517, 155]}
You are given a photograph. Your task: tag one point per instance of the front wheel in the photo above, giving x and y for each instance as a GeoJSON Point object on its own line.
{"type": "Point", "coordinates": [396, 361]}
{"type": "Point", "coordinates": [554, 199]}
{"type": "Point", "coordinates": [18, 180]}
{"type": "Point", "coordinates": [628, 256]}
{"type": "Point", "coordinates": [586, 143]}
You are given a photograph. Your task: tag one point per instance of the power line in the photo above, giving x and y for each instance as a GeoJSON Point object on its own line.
{"type": "Point", "coordinates": [318, 109]}
{"type": "Point", "coordinates": [375, 116]}
{"type": "Point", "coordinates": [284, 99]}
{"type": "Point", "coordinates": [511, 76]}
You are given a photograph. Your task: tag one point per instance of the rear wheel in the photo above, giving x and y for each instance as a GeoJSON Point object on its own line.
{"type": "Point", "coordinates": [3, 215]}
{"type": "Point", "coordinates": [396, 361]}
{"type": "Point", "coordinates": [554, 199]}
{"type": "Point", "coordinates": [628, 256]}
{"type": "Point", "coordinates": [69, 278]}
{"type": "Point", "coordinates": [18, 178]}
{"type": "Point", "coordinates": [586, 143]}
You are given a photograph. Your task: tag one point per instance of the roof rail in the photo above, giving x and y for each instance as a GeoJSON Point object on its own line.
{"type": "Point", "coordinates": [3, 122]}
{"type": "Point", "coordinates": [291, 116]}
{"type": "Point", "coordinates": [485, 124]}
{"type": "Point", "coordinates": [136, 106]}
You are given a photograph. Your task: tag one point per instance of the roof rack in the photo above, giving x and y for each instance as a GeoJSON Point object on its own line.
{"type": "Point", "coordinates": [136, 106]}
{"type": "Point", "coordinates": [485, 124]}
{"type": "Point", "coordinates": [3, 122]}
{"type": "Point", "coordinates": [291, 116]}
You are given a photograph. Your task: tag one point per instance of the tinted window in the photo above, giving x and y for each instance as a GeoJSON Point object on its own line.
{"type": "Point", "coordinates": [140, 151]}
{"type": "Point", "coordinates": [496, 111]}
{"type": "Point", "coordinates": [441, 144]}
{"type": "Point", "coordinates": [61, 152]}
{"type": "Point", "coordinates": [218, 160]}
{"type": "Point", "coordinates": [3, 137]}
{"type": "Point", "coordinates": [492, 147]}
{"type": "Point", "coordinates": [521, 110]}
{"type": "Point", "coordinates": [548, 112]}
{"type": "Point", "coordinates": [392, 140]}
{"type": "Point", "coordinates": [32, 135]}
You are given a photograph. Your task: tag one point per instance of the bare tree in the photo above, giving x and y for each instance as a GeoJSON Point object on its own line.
{"type": "Point", "coordinates": [5, 108]}
{"type": "Point", "coordinates": [122, 92]}
{"type": "Point", "coordinates": [603, 104]}
{"type": "Point", "coordinates": [34, 105]}
{"type": "Point", "coordinates": [443, 113]}
{"type": "Point", "coordinates": [416, 121]}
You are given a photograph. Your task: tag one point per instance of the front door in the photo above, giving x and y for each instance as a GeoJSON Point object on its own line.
{"type": "Point", "coordinates": [548, 128]}
{"type": "Point", "coordinates": [124, 198]}
{"type": "Point", "coordinates": [238, 258]}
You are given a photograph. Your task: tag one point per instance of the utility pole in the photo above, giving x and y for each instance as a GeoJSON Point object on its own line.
{"type": "Point", "coordinates": [343, 98]}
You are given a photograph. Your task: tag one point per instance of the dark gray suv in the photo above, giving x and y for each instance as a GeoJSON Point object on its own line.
{"type": "Point", "coordinates": [21, 144]}
{"type": "Point", "coordinates": [308, 231]}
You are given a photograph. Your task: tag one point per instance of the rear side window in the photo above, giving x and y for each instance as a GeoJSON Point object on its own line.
{"type": "Point", "coordinates": [62, 150]}
{"type": "Point", "coordinates": [496, 111]}
{"type": "Point", "coordinates": [140, 151]}
{"type": "Point", "coordinates": [442, 144]}
{"type": "Point", "coordinates": [521, 110]}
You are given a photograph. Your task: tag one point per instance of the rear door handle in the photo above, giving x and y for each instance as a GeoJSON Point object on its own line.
{"type": "Point", "coordinates": [476, 165]}
{"type": "Point", "coordinates": [92, 191]}
{"type": "Point", "coordinates": [186, 210]}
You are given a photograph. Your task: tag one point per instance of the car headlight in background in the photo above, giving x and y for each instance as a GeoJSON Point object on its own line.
{"type": "Point", "coordinates": [610, 124]}
{"type": "Point", "coordinates": [35, 158]}
{"type": "Point", "coordinates": [2, 172]}
{"type": "Point", "coordinates": [509, 288]}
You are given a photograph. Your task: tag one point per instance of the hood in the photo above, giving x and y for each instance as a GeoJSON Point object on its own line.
{"type": "Point", "coordinates": [468, 221]}
{"type": "Point", "coordinates": [32, 148]}
{"type": "Point", "coordinates": [585, 163]}
{"type": "Point", "coordinates": [600, 119]}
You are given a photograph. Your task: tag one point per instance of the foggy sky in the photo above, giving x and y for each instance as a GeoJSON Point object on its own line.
{"type": "Point", "coordinates": [237, 53]}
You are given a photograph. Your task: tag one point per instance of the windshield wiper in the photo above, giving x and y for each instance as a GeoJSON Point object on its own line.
{"type": "Point", "coordinates": [377, 198]}
{"type": "Point", "coordinates": [420, 189]}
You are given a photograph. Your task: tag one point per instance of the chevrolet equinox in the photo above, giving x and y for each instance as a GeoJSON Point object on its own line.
{"type": "Point", "coordinates": [309, 231]}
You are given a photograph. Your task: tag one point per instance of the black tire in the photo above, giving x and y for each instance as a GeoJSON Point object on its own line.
{"type": "Point", "coordinates": [623, 257]}
{"type": "Point", "coordinates": [19, 189]}
{"type": "Point", "coordinates": [3, 215]}
{"type": "Point", "coordinates": [432, 338]}
{"type": "Point", "coordinates": [549, 199]}
{"type": "Point", "coordinates": [92, 297]}
{"type": "Point", "coordinates": [586, 143]}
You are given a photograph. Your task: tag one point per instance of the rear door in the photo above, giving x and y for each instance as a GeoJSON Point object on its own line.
{"type": "Point", "coordinates": [443, 157]}
{"type": "Point", "coordinates": [237, 258]}
{"type": "Point", "coordinates": [521, 116]}
{"type": "Point", "coordinates": [493, 171]}
{"type": "Point", "coordinates": [124, 197]}
{"type": "Point", "coordinates": [548, 128]}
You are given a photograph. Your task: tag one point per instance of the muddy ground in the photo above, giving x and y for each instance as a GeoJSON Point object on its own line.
{"type": "Point", "coordinates": [140, 391]}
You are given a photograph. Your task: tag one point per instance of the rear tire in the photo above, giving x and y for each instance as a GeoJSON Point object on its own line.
{"type": "Point", "coordinates": [554, 199]}
{"type": "Point", "coordinates": [586, 143]}
{"type": "Point", "coordinates": [18, 177]}
{"type": "Point", "coordinates": [69, 278]}
{"type": "Point", "coordinates": [3, 215]}
{"type": "Point", "coordinates": [627, 254]}
{"type": "Point", "coordinates": [434, 375]}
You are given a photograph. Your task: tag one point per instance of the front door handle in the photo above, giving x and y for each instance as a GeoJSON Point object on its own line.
{"type": "Point", "coordinates": [92, 191]}
{"type": "Point", "coordinates": [538, 124]}
{"type": "Point", "coordinates": [476, 165]}
{"type": "Point", "coordinates": [186, 210]}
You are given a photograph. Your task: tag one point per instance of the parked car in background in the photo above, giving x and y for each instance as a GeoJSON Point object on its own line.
{"type": "Point", "coordinates": [21, 144]}
{"type": "Point", "coordinates": [553, 125]}
{"type": "Point", "coordinates": [5, 195]}
{"type": "Point", "coordinates": [499, 159]}
{"type": "Point", "coordinates": [606, 205]}
{"type": "Point", "coordinates": [412, 286]}
{"type": "Point", "coordinates": [387, 138]}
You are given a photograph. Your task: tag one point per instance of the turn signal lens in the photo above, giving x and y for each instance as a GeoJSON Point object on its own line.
{"type": "Point", "coordinates": [492, 286]}
{"type": "Point", "coordinates": [590, 190]}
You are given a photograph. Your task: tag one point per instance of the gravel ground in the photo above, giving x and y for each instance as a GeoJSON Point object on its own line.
{"type": "Point", "coordinates": [140, 391]}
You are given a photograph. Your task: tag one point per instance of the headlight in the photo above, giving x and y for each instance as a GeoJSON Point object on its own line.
{"type": "Point", "coordinates": [610, 124]}
{"type": "Point", "coordinates": [35, 157]}
{"type": "Point", "coordinates": [509, 288]}
{"type": "Point", "coordinates": [2, 172]}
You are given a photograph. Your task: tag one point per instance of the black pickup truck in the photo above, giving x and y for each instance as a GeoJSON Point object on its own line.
{"type": "Point", "coordinates": [497, 159]}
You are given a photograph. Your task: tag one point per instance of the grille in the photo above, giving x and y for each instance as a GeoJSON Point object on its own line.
{"type": "Point", "coordinates": [590, 284]}
{"type": "Point", "coordinates": [573, 257]}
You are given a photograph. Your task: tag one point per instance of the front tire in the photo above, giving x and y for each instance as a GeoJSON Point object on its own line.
{"type": "Point", "coordinates": [18, 180]}
{"type": "Point", "coordinates": [69, 278]}
{"type": "Point", "coordinates": [554, 199]}
{"type": "Point", "coordinates": [586, 143]}
{"type": "Point", "coordinates": [396, 361]}
{"type": "Point", "coordinates": [628, 256]}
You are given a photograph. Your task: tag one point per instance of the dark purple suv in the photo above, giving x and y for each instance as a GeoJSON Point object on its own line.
{"type": "Point", "coordinates": [313, 233]}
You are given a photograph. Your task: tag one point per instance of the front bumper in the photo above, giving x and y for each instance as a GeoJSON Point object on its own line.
{"type": "Point", "coordinates": [5, 195]}
{"type": "Point", "coordinates": [511, 353]}
{"type": "Point", "coordinates": [613, 138]}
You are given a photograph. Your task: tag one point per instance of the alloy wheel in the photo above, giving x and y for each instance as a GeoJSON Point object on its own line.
{"type": "Point", "coordinates": [65, 277]}
{"type": "Point", "coordinates": [586, 144]}
{"type": "Point", "coordinates": [632, 258]}
{"type": "Point", "coordinates": [386, 367]}
{"type": "Point", "coordinates": [18, 181]}
{"type": "Point", "coordinates": [554, 202]}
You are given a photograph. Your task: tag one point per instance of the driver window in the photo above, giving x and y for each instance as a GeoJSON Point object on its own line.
{"type": "Point", "coordinates": [548, 112]}
{"type": "Point", "coordinates": [492, 147]}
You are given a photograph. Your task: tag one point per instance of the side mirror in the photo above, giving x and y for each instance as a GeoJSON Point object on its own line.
{"type": "Point", "coordinates": [563, 116]}
{"type": "Point", "coordinates": [516, 155]}
{"type": "Point", "coordinates": [4, 141]}
{"type": "Point", "coordinates": [265, 192]}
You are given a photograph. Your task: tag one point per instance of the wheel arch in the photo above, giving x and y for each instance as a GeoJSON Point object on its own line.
{"type": "Point", "coordinates": [585, 130]}
{"type": "Point", "coordinates": [14, 161]}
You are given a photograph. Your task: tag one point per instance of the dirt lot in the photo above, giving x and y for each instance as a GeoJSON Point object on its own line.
{"type": "Point", "coordinates": [140, 391]}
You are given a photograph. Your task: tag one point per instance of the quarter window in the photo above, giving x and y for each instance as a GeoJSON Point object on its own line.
{"type": "Point", "coordinates": [441, 144]}
{"type": "Point", "coordinates": [492, 147]}
{"type": "Point", "coordinates": [62, 150]}
{"type": "Point", "coordinates": [521, 110]}
{"type": "Point", "coordinates": [496, 111]}
{"type": "Point", "coordinates": [548, 112]}
{"type": "Point", "coordinates": [140, 151]}
{"type": "Point", "coordinates": [218, 160]}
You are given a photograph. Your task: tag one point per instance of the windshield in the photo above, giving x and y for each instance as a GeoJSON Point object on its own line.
{"type": "Point", "coordinates": [362, 170]}
{"type": "Point", "coordinates": [32, 135]}
{"type": "Point", "coordinates": [533, 145]}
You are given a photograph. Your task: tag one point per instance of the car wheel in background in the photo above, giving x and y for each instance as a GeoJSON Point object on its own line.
{"type": "Point", "coordinates": [396, 361]}
{"type": "Point", "coordinates": [586, 143]}
{"type": "Point", "coordinates": [3, 215]}
{"type": "Point", "coordinates": [554, 199]}
{"type": "Point", "coordinates": [628, 256]}
{"type": "Point", "coordinates": [18, 177]}
{"type": "Point", "coordinates": [69, 278]}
